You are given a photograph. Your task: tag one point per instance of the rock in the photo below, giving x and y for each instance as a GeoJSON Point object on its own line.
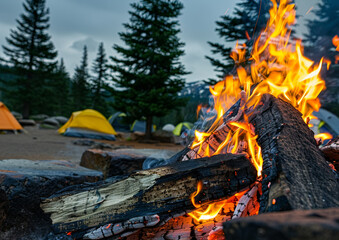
{"type": "Point", "coordinates": [319, 224]}
{"type": "Point", "coordinates": [27, 122]}
{"type": "Point", "coordinates": [4, 203]}
{"type": "Point", "coordinates": [83, 142]}
{"type": "Point", "coordinates": [112, 163]}
{"type": "Point", "coordinates": [52, 121]}
{"type": "Point", "coordinates": [121, 161]}
{"type": "Point", "coordinates": [17, 115]}
{"type": "Point", "coordinates": [39, 117]}
{"type": "Point", "coordinates": [22, 185]}
{"type": "Point", "coordinates": [101, 145]}
{"type": "Point", "coordinates": [163, 136]}
{"type": "Point", "coordinates": [62, 120]}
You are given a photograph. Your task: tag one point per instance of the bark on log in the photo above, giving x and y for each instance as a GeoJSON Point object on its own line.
{"type": "Point", "coordinates": [112, 163]}
{"type": "Point", "coordinates": [23, 183]}
{"type": "Point", "coordinates": [295, 173]}
{"type": "Point", "coordinates": [315, 224]}
{"type": "Point", "coordinates": [164, 191]}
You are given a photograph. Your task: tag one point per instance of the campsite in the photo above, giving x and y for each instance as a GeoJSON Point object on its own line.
{"type": "Point", "coordinates": [169, 120]}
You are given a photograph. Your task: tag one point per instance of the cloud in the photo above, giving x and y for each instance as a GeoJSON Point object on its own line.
{"type": "Point", "coordinates": [91, 44]}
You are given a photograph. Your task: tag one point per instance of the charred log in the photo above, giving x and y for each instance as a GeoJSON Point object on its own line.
{"type": "Point", "coordinates": [164, 191]}
{"type": "Point", "coordinates": [112, 163]}
{"type": "Point", "coordinates": [315, 224]}
{"type": "Point", "coordinates": [23, 183]}
{"type": "Point", "coordinates": [214, 141]}
{"type": "Point", "coordinates": [331, 152]}
{"type": "Point", "coordinates": [295, 173]}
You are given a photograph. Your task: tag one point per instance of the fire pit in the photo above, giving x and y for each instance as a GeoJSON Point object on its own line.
{"type": "Point", "coordinates": [258, 155]}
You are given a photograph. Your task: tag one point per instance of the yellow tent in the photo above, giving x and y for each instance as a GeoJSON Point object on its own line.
{"type": "Point", "coordinates": [88, 119]}
{"type": "Point", "coordinates": [7, 120]}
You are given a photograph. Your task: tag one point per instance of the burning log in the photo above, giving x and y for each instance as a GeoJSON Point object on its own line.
{"type": "Point", "coordinates": [164, 191]}
{"type": "Point", "coordinates": [331, 152]}
{"type": "Point", "coordinates": [295, 173]}
{"type": "Point", "coordinates": [315, 224]}
{"type": "Point", "coordinates": [213, 143]}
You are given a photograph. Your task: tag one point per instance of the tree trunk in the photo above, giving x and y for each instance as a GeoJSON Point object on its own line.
{"type": "Point", "coordinates": [164, 191]}
{"type": "Point", "coordinates": [295, 172]}
{"type": "Point", "coordinates": [26, 109]}
{"type": "Point", "coordinates": [149, 122]}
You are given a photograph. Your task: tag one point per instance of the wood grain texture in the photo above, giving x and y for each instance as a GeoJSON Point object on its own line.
{"type": "Point", "coordinates": [295, 173]}
{"type": "Point", "coordinates": [164, 191]}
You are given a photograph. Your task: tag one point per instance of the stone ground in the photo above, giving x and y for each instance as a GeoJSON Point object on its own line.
{"type": "Point", "coordinates": [47, 144]}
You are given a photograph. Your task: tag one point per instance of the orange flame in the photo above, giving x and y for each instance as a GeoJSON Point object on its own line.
{"type": "Point", "coordinates": [335, 41]}
{"type": "Point", "coordinates": [323, 136]}
{"type": "Point", "coordinates": [278, 67]}
{"type": "Point", "coordinates": [212, 210]}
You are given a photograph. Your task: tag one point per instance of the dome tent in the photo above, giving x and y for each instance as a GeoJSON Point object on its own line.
{"type": "Point", "coordinates": [168, 127]}
{"type": "Point", "coordinates": [182, 127]}
{"type": "Point", "coordinates": [140, 126]}
{"type": "Point", "coordinates": [119, 123]}
{"type": "Point", "coordinates": [88, 124]}
{"type": "Point", "coordinates": [7, 120]}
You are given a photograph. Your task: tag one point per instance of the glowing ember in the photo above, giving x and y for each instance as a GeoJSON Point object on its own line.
{"type": "Point", "coordinates": [278, 67]}
{"type": "Point", "coordinates": [212, 210]}
{"type": "Point", "coordinates": [335, 41]}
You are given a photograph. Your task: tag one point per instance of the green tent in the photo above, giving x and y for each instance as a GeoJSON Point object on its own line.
{"type": "Point", "coordinates": [182, 127]}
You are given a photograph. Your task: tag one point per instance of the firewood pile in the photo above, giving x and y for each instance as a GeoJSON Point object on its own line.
{"type": "Point", "coordinates": [156, 204]}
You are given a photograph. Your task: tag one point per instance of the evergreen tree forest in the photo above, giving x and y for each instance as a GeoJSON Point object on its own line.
{"type": "Point", "coordinates": [321, 31]}
{"type": "Point", "coordinates": [99, 82]}
{"type": "Point", "coordinates": [244, 25]}
{"type": "Point", "coordinates": [148, 71]}
{"type": "Point", "coordinates": [141, 74]}
{"type": "Point", "coordinates": [80, 84]}
{"type": "Point", "coordinates": [31, 54]}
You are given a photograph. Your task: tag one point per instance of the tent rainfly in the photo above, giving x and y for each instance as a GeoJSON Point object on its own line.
{"type": "Point", "coordinates": [88, 124]}
{"type": "Point", "coordinates": [7, 120]}
{"type": "Point", "coordinates": [182, 127]}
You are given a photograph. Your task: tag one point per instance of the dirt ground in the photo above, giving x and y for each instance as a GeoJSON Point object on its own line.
{"type": "Point", "coordinates": [47, 144]}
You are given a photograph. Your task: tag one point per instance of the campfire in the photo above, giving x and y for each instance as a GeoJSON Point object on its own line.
{"type": "Point", "coordinates": [256, 155]}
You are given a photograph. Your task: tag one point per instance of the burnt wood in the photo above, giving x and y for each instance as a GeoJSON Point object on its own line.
{"type": "Point", "coordinates": [23, 183]}
{"type": "Point", "coordinates": [185, 227]}
{"type": "Point", "coordinates": [112, 163]}
{"type": "Point", "coordinates": [331, 152]}
{"type": "Point", "coordinates": [164, 191]}
{"type": "Point", "coordinates": [315, 224]}
{"type": "Point", "coordinates": [295, 172]}
{"type": "Point", "coordinates": [218, 136]}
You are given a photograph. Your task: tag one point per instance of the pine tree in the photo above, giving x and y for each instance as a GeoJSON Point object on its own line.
{"type": "Point", "coordinates": [61, 90]}
{"type": "Point", "coordinates": [244, 25]}
{"type": "Point", "coordinates": [80, 84]}
{"type": "Point", "coordinates": [148, 73]}
{"type": "Point", "coordinates": [321, 29]}
{"type": "Point", "coordinates": [99, 81]}
{"type": "Point", "coordinates": [32, 55]}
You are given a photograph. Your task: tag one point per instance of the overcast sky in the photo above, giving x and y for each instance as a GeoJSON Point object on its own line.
{"type": "Point", "coordinates": [78, 22]}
